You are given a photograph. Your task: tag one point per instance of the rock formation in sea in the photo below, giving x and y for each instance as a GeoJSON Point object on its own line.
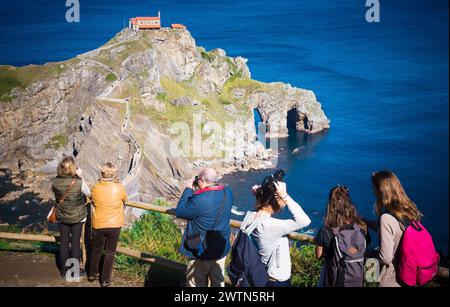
{"type": "Point", "coordinates": [121, 102]}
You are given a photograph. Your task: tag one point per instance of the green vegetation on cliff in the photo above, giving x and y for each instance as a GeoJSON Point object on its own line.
{"type": "Point", "coordinates": [207, 56]}
{"type": "Point", "coordinates": [58, 141]}
{"type": "Point", "coordinates": [211, 107]}
{"type": "Point", "coordinates": [249, 86]}
{"type": "Point", "coordinates": [114, 54]}
{"type": "Point", "coordinates": [111, 77]}
{"type": "Point", "coordinates": [6, 85]}
{"type": "Point", "coordinates": [21, 77]}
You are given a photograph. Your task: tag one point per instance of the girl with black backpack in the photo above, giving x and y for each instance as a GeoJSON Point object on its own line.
{"type": "Point", "coordinates": [341, 242]}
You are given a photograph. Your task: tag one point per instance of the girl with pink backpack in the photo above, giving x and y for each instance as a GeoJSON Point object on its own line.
{"type": "Point", "coordinates": [407, 253]}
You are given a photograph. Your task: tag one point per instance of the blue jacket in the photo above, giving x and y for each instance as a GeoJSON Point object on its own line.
{"type": "Point", "coordinates": [201, 209]}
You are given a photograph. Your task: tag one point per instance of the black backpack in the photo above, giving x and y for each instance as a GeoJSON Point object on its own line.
{"type": "Point", "coordinates": [346, 266]}
{"type": "Point", "coordinates": [246, 268]}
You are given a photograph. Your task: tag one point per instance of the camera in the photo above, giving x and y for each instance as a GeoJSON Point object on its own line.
{"type": "Point", "coordinates": [278, 175]}
{"type": "Point", "coordinates": [195, 183]}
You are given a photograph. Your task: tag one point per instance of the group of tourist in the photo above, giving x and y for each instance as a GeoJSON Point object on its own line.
{"type": "Point", "coordinates": [108, 197]}
{"type": "Point", "coordinates": [206, 205]}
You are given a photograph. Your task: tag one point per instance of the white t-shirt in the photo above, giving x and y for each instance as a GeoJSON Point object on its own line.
{"type": "Point", "coordinates": [270, 235]}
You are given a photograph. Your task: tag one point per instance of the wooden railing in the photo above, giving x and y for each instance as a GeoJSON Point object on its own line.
{"type": "Point", "coordinates": [233, 223]}
{"type": "Point", "coordinates": [120, 249]}
{"type": "Point", "coordinates": [443, 272]}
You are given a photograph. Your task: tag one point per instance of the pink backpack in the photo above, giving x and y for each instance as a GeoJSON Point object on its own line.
{"type": "Point", "coordinates": [418, 260]}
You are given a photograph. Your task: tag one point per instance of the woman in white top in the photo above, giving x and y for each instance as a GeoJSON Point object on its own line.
{"type": "Point", "coordinates": [270, 234]}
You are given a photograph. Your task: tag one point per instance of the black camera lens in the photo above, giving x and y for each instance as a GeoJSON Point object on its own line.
{"type": "Point", "coordinates": [279, 175]}
{"type": "Point", "coordinates": [195, 183]}
{"type": "Point", "coordinates": [268, 183]}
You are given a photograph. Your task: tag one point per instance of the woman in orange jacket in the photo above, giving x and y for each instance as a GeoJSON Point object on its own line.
{"type": "Point", "coordinates": [108, 217]}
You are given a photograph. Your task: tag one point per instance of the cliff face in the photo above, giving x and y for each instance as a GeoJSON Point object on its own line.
{"type": "Point", "coordinates": [120, 103]}
{"type": "Point", "coordinates": [39, 117]}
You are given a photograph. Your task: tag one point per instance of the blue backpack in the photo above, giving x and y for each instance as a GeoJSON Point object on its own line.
{"type": "Point", "coordinates": [246, 268]}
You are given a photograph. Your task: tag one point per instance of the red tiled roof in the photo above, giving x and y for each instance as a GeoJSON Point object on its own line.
{"type": "Point", "coordinates": [177, 26]}
{"type": "Point", "coordinates": [135, 20]}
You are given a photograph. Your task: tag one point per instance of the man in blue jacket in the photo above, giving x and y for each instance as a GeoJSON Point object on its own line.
{"type": "Point", "coordinates": [206, 241]}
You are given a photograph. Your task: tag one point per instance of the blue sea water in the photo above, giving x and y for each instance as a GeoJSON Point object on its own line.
{"type": "Point", "coordinates": [383, 85]}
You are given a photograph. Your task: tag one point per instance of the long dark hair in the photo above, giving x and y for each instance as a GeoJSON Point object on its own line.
{"type": "Point", "coordinates": [341, 211]}
{"type": "Point", "coordinates": [266, 195]}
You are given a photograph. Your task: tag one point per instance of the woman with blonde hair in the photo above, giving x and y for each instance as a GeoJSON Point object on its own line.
{"type": "Point", "coordinates": [108, 217]}
{"type": "Point", "coordinates": [70, 191]}
{"type": "Point", "coordinates": [395, 211]}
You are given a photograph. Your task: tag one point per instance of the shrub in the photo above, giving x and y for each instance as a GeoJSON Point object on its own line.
{"type": "Point", "coordinates": [156, 234]}
{"type": "Point", "coordinates": [161, 97]}
{"type": "Point", "coordinates": [305, 266]}
{"type": "Point", "coordinates": [207, 56]}
{"type": "Point", "coordinates": [111, 77]}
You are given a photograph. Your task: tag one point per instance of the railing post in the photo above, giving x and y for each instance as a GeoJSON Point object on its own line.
{"type": "Point", "coordinates": [86, 235]}
{"type": "Point", "coordinates": [83, 246]}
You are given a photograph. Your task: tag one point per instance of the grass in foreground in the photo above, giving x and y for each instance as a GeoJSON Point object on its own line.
{"type": "Point", "coordinates": [157, 234]}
